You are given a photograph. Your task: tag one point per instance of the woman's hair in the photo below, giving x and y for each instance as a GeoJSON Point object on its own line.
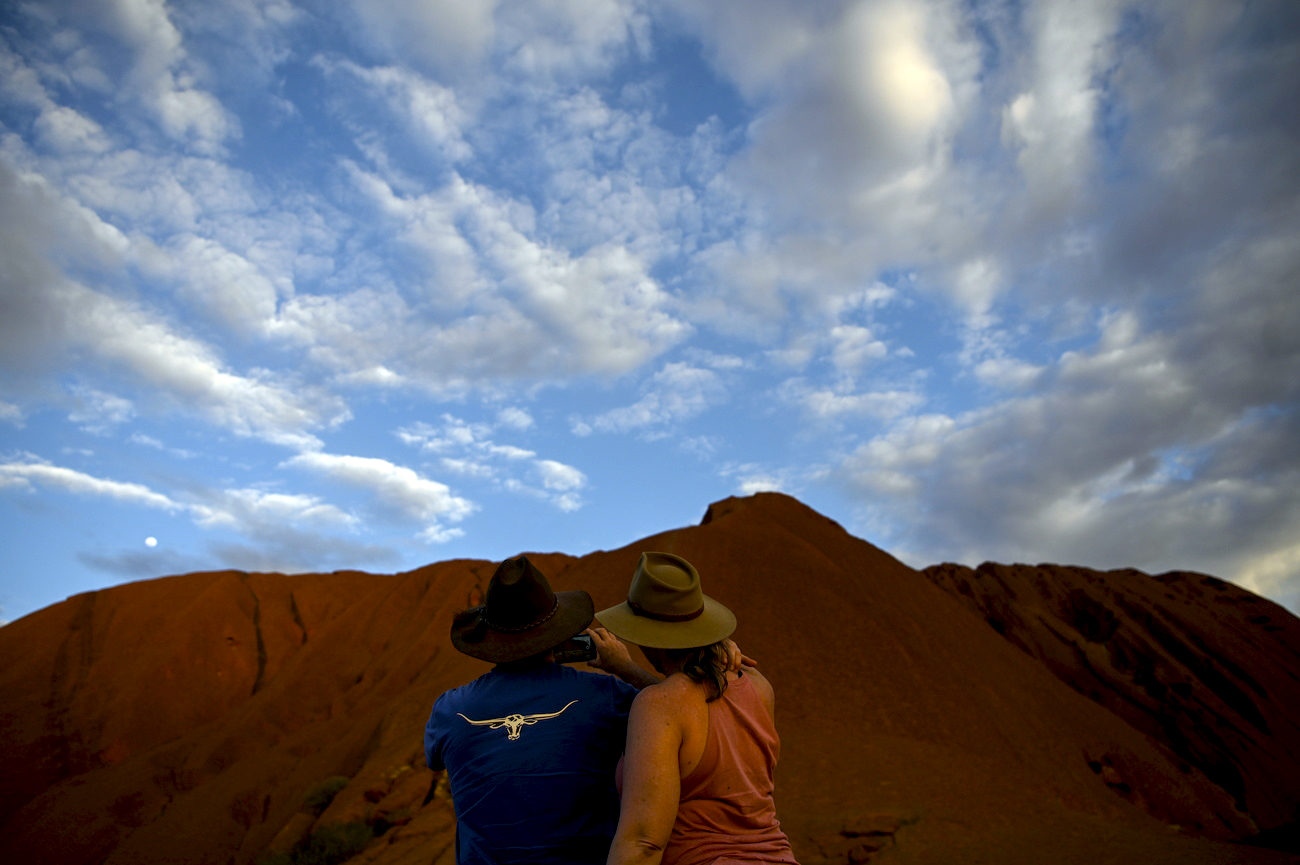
{"type": "Point", "coordinates": [704, 664]}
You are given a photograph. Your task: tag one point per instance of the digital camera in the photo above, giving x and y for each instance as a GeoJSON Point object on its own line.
{"type": "Point", "coordinates": [580, 648]}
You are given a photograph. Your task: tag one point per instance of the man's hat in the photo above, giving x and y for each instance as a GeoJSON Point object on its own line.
{"type": "Point", "coordinates": [666, 608]}
{"type": "Point", "coordinates": [521, 617]}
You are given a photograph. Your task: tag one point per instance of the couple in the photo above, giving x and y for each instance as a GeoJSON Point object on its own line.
{"type": "Point", "coordinates": [532, 748]}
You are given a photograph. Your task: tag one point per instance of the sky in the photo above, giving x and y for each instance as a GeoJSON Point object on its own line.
{"type": "Point", "coordinates": [309, 285]}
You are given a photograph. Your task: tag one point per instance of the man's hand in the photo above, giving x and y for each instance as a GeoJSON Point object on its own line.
{"type": "Point", "coordinates": [612, 656]}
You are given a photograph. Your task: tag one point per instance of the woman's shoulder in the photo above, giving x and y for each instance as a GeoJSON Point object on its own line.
{"type": "Point", "coordinates": [762, 687]}
{"type": "Point", "coordinates": [675, 691]}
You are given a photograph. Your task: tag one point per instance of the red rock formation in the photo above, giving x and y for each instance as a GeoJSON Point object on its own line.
{"type": "Point", "coordinates": [185, 719]}
{"type": "Point", "coordinates": [1201, 665]}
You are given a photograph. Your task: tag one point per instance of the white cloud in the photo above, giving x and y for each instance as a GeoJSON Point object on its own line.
{"type": "Point", "coordinates": [97, 411]}
{"type": "Point", "coordinates": [832, 405]}
{"type": "Point", "coordinates": [47, 314]}
{"type": "Point", "coordinates": [67, 131]}
{"type": "Point", "coordinates": [24, 474]}
{"type": "Point", "coordinates": [1134, 452]}
{"type": "Point", "coordinates": [1008, 373]}
{"type": "Point", "coordinates": [161, 77]}
{"type": "Point", "coordinates": [892, 464]}
{"type": "Point", "coordinates": [468, 468]}
{"type": "Point", "coordinates": [853, 347]}
{"type": "Point", "coordinates": [676, 393]}
{"type": "Point", "coordinates": [469, 450]}
{"type": "Point", "coordinates": [501, 306]}
{"type": "Point", "coordinates": [543, 39]}
{"type": "Point", "coordinates": [751, 484]}
{"type": "Point", "coordinates": [223, 285]}
{"type": "Point", "coordinates": [11, 414]}
{"type": "Point", "coordinates": [515, 418]}
{"type": "Point", "coordinates": [397, 488]}
{"type": "Point", "coordinates": [439, 534]}
{"type": "Point", "coordinates": [562, 38]}
{"type": "Point", "coordinates": [255, 513]}
{"type": "Point", "coordinates": [760, 46]}
{"type": "Point", "coordinates": [1052, 123]}
{"type": "Point", "coordinates": [429, 110]}
{"type": "Point", "coordinates": [187, 371]}
{"type": "Point", "coordinates": [252, 511]}
{"type": "Point", "coordinates": [444, 36]}
{"type": "Point", "coordinates": [561, 477]}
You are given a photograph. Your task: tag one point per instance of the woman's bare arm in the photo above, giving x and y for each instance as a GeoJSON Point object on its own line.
{"type": "Point", "coordinates": [651, 776]}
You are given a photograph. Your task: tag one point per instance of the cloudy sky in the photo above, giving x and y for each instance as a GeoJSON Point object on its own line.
{"type": "Point", "coordinates": [312, 285]}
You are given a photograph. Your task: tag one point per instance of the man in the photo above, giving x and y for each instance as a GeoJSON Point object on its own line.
{"type": "Point", "coordinates": [531, 747]}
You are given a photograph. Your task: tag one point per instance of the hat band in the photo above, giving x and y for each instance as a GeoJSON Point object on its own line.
{"type": "Point", "coordinates": [664, 617]}
{"type": "Point", "coordinates": [527, 627]}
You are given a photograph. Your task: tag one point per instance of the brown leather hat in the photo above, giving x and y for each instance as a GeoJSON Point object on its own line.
{"type": "Point", "coordinates": [666, 608]}
{"type": "Point", "coordinates": [522, 616]}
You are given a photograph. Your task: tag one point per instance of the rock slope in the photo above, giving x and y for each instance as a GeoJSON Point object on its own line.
{"type": "Point", "coordinates": [192, 718]}
{"type": "Point", "coordinates": [1199, 664]}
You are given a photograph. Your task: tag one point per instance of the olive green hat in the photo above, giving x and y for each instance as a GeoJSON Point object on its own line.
{"type": "Point", "coordinates": [666, 608]}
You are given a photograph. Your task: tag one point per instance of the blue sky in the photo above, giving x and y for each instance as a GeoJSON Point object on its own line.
{"type": "Point", "coordinates": [306, 286]}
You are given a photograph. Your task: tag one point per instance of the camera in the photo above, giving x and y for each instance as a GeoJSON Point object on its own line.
{"type": "Point", "coordinates": [580, 648]}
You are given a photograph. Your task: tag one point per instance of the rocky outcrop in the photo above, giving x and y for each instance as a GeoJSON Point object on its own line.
{"type": "Point", "coordinates": [187, 718]}
{"type": "Point", "coordinates": [1201, 665]}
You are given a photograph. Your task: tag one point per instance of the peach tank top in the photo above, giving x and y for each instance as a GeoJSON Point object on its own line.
{"type": "Point", "coordinates": [726, 811]}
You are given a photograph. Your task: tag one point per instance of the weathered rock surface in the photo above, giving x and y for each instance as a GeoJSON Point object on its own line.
{"type": "Point", "coordinates": [185, 719]}
{"type": "Point", "coordinates": [1201, 665]}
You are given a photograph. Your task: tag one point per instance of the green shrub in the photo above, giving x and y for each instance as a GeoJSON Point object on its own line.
{"type": "Point", "coordinates": [331, 845]}
{"type": "Point", "coordinates": [318, 798]}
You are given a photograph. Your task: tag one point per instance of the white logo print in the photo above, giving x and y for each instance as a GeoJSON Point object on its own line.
{"type": "Point", "coordinates": [515, 723]}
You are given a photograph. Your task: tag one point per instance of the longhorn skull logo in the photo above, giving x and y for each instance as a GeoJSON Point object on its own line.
{"type": "Point", "coordinates": [516, 722]}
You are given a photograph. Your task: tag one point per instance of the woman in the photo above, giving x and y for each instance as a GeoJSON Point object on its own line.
{"type": "Point", "coordinates": [696, 778]}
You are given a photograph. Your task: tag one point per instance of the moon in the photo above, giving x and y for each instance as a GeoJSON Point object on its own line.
{"type": "Point", "coordinates": [151, 542]}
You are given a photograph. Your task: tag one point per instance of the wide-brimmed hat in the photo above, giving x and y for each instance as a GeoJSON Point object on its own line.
{"type": "Point", "coordinates": [522, 616]}
{"type": "Point", "coordinates": [666, 608]}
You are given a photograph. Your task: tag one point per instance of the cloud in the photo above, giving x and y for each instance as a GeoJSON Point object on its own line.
{"type": "Point", "coordinates": [561, 477]}
{"type": "Point", "coordinates": [1129, 454]}
{"type": "Point", "coordinates": [534, 40]}
{"type": "Point", "coordinates": [470, 451]}
{"type": "Point", "coordinates": [11, 414]}
{"type": "Point", "coordinates": [430, 112]}
{"type": "Point", "coordinates": [49, 320]}
{"type": "Point", "coordinates": [515, 418]}
{"type": "Point", "coordinates": [443, 36]}
{"type": "Point", "coordinates": [676, 393]}
{"type": "Point", "coordinates": [224, 286]}
{"type": "Point", "coordinates": [829, 405]}
{"type": "Point", "coordinates": [294, 551]}
{"type": "Point", "coordinates": [24, 473]}
{"type": "Point", "coordinates": [395, 488]}
{"type": "Point", "coordinates": [851, 168]}
{"type": "Point", "coordinates": [157, 75]}
{"type": "Point", "coordinates": [253, 513]}
{"type": "Point", "coordinates": [561, 40]}
{"type": "Point", "coordinates": [500, 306]}
{"type": "Point", "coordinates": [97, 411]}
{"type": "Point", "coordinates": [248, 510]}
{"type": "Point", "coordinates": [853, 347]}
{"type": "Point", "coordinates": [1051, 125]}
{"type": "Point", "coordinates": [133, 564]}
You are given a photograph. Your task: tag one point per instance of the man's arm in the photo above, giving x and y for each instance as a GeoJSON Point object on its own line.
{"type": "Point", "coordinates": [613, 657]}
{"type": "Point", "coordinates": [432, 746]}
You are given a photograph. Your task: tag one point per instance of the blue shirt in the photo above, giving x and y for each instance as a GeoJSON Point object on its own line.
{"type": "Point", "coordinates": [530, 756]}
